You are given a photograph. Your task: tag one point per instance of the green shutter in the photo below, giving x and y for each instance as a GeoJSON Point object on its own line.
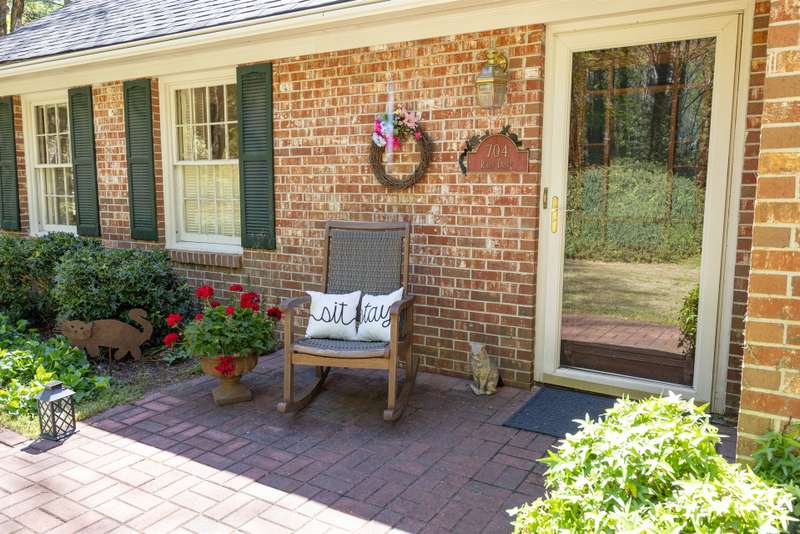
{"type": "Point", "coordinates": [256, 168]}
{"type": "Point", "coordinates": [9, 194]}
{"type": "Point", "coordinates": [141, 170]}
{"type": "Point", "coordinates": [84, 170]}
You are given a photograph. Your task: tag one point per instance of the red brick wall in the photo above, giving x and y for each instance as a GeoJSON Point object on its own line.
{"type": "Point", "coordinates": [24, 218]}
{"type": "Point", "coordinates": [748, 193]}
{"type": "Point", "coordinates": [771, 368]}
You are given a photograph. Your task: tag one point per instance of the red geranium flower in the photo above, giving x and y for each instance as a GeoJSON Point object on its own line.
{"type": "Point", "coordinates": [204, 292]}
{"type": "Point", "coordinates": [214, 303]}
{"type": "Point", "coordinates": [229, 310]}
{"type": "Point", "coordinates": [235, 287]}
{"type": "Point", "coordinates": [198, 316]}
{"type": "Point", "coordinates": [170, 339]}
{"type": "Point", "coordinates": [250, 300]}
{"type": "Point", "coordinates": [275, 313]}
{"type": "Point", "coordinates": [173, 319]}
{"type": "Point", "coordinates": [225, 365]}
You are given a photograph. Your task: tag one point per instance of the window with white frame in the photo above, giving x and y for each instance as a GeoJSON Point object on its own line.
{"type": "Point", "coordinates": [53, 167]}
{"type": "Point", "coordinates": [207, 164]}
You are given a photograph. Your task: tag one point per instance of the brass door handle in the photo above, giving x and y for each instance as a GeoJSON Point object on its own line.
{"type": "Point", "coordinates": [554, 214]}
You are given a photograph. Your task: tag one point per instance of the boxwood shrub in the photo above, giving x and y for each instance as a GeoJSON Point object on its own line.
{"type": "Point", "coordinates": [44, 255]}
{"type": "Point", "coordinates": [101, 283]}
{"type": "Point", "coordinates": [16, 290]}
{"type": "Point", "coordinates": [651, 466]}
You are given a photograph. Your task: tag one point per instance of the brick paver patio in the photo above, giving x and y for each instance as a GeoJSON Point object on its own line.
{"type": "Point", "coordinates": [174, 462]}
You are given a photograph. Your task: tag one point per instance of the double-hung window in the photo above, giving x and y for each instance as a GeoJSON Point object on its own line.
{"type": "Point", "coordinates": [52, 167]}
{"type": "Point", "coordinates": [206, 164]}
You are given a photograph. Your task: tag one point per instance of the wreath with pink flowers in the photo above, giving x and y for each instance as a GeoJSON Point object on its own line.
{"type": "Point", "coordinates": [391, 130]}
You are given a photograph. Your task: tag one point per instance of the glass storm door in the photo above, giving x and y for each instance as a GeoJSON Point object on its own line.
{"type": "Point", "coordinates": [636, 280]}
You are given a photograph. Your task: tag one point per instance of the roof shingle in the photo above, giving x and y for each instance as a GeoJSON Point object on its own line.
{"type": "Point", "coordinates": [87, 24]}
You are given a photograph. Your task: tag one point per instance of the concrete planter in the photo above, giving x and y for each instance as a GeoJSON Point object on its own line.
{"type": "Point", "coordinates": [230, 390]}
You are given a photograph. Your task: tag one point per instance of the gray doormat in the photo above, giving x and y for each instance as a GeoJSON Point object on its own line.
{"type": "Point", "coordinates": [552, 411]}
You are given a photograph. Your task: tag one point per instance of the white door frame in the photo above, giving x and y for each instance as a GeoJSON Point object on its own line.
{"type": "Point", "coordinates": [562, 40]}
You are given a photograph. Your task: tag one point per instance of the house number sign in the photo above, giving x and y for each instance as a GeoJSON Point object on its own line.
{"type": "Point", "coordinates": [500, 152]}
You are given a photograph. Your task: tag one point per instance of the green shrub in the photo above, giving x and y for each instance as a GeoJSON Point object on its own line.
{"type": "Point", "coordinates": [16, 291]}
{"type": "Point", "coordinates": [651, 466]}
{"type": "Point", "coordinates": [27, 363]}
{"type": "Point", "coordinates": [44, 254]}
{"type": "Point", "coordinates": [778, 461]}
{"type": "Point", "coordinates": [106, 283]}
{"type": "Point", "coordinates": [687, 320]}
{"type": "Point", "coordinates": [635, 223]}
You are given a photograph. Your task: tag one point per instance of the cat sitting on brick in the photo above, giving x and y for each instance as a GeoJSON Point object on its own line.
{"type": "Point", "coordinates": [120, 338]}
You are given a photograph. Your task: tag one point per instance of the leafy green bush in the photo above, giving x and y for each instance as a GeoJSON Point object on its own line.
{"type": "Point", "coordinates": [651, 466]}
{"type": "Point", "coordinates": [687, 320]}
{"type": "Point", "coordinates": [16, 291]}
{"type": "Point", "coordinates": [778, 461]}
{"type": "Point", "coordinates": [635, 220]}
{"type": "Point", "coordinates": [44, 254]}
{"type": "Point", "coordinates": [27, 363]}
{"type": "Point", "coordinates": [106, 283]}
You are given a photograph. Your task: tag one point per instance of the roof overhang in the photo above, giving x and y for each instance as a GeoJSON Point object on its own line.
{"type": "Point", "coordinates": [362, 23]}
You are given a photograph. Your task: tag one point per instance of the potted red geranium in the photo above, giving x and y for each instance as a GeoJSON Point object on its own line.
{"type": "Point", "coordinates": [227, 339]}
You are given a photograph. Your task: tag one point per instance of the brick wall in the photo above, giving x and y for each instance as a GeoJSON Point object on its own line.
{"type": "Point", "coordinates": [771, 368]}
{"type": "Point", "coordinates": [748, 194]}
{"type": "Point", "coordinates": [22, 183]}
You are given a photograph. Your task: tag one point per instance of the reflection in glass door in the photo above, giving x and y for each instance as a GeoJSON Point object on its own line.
{"type": "Point", "coordinates": [638, 154]}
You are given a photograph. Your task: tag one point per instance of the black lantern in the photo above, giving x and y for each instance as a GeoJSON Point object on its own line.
{"type": "Point", "coordinates": [56, 411]}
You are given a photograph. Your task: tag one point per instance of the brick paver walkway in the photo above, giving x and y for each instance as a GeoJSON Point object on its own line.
{"type": "Point", "coordinates": [174, 462]}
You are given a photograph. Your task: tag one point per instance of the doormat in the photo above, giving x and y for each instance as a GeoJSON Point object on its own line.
{"type": "Point", "coordinates": [552, 411]}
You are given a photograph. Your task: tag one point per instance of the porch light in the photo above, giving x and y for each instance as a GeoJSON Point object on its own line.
{"type": "Point", "coordinates": [492, 81]}
{"type": "Point", "coordinates": [56, 411]}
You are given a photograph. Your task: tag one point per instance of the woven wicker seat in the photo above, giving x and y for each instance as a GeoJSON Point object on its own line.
{"type": "Point", "coordinates": [343, 349]}
{"type": "Point", "coordinates": [367, 257]}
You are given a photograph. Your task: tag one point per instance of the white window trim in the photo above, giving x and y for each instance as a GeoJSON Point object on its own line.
{"type": "Point", "coordinates": [173, 213]}
{"type": "Point", "coordinates": [35, 200]}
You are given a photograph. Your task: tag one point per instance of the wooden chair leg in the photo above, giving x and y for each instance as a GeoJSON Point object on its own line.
{"type": "Point", "coordinates": [397, 404]}
{"type": "Point", "coordinates": [289, 403]}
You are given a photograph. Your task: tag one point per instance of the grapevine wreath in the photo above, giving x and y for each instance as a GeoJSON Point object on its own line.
{"type": "Point", "coordinates": [391, 130]}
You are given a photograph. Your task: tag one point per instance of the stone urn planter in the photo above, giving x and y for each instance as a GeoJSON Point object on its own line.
{"type": "Point", "coordinates": [230, 390]}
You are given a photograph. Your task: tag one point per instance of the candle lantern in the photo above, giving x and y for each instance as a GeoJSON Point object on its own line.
{"type": "Point", "coordinates": [491, 83]}
{"type": "Point", "coordinates": [56, 411]}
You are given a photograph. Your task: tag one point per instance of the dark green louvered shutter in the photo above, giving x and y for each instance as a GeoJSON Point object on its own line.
{"type": "Point", "coordinates": [256, 168]}
{"type": "Point", "coordinates": [9, 194]}
{"type": "Point", "coordinates": [141, 173]}
{"type": "Point", "coordinates": [81, 128]}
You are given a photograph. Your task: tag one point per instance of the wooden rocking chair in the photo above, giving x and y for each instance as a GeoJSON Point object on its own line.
{"type": "Point", "coordinates": [372, 258]}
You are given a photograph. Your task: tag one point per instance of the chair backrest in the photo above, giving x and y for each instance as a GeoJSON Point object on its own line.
{"type": "Point", "coordinates": [371, 257]}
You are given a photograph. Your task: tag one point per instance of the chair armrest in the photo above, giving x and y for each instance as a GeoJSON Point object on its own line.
{"type": "Point", "coordinates": [289, 305]}
{"type": "Point", "coordinates": [401, 305]}
{"type": "Point", "coordinates": [401, 314]}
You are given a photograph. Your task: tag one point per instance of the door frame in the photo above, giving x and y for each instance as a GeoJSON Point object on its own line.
{"type": "Point", "coordinates": [733, 31]}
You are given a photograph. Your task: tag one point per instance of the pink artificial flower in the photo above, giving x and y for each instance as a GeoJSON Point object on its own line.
{"type": "Point", "coordinates": [417, 135]}
{"type": "Point", "coordinates": [395, 143]}
{"type": "Point", "coordinates": [411, 119]}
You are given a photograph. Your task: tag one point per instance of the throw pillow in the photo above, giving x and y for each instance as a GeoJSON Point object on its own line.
{"type": "Point", "coordinates": [375, 320]}
{"type": "Point", "coordinates": [333, 316]}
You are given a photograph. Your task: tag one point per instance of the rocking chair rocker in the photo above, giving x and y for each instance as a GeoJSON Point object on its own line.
{"type": "Point", "coordinates": [372, 258]}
